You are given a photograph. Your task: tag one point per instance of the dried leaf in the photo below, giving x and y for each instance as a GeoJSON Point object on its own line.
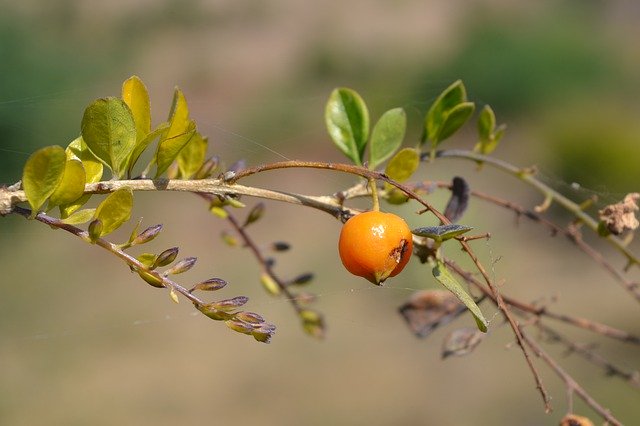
{"type": "Point", "coordinates": [621, 216]}
{"type": "Point", "coordinates": [459, 199]}
{"type": "Point", "coordinates": [574, 420]}
{"type": "Point", "coordinates": [426, 310]}
{"type": "Point", "coordinates": [461, 341]}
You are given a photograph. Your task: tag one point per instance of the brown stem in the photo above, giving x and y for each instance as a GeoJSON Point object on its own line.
{"type": "Point", "coordinates": [584, 323]}
{"type": "Point", "coordinates": [113, 249]}
{"type": "Point", "coordinates": [248, 241]}
{"type": "Point", "coordinates": [632, 377]}
{"type": "Point", "coordinates": [570, 383]}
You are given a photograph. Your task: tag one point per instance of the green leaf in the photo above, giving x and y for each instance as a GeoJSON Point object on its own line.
{"type": "Point", "coordinates": [114, 210]}
{"type": "Point", "coordinates": [447, 114]}
{"type": "Point", "coordinates": [42, 173]}
{"type": "Point", "coordinates": [93, 168]}
{"type": "Point", "coordinates": [135, 95]}
{"type": "Point", "coordinates": [181, 129]}
{"type": "Point", "coordinates": [486, 123]}
{"type": "Point", "coordinates": [444, 277]}
{"type": "Point", "coordinates": [80, 217]}
{"type": "Point", "coordinates": [441, 233]}
{"type": "Point", "coordinates": [488, 134]}
{"type": "Point", "coordinates": [143, 144]}
{"type": "Point", "coordinates": [387, 136]}
{"type": "Point", "coordinates": [192, 156]}
{"type": "Point", "coordinates": [403, 164]}
{"type": "Point", "coordinates": [449, 98]}
{"type": "Point", "coordinates": [71, 187]}
{"type": "Point", "coordinates": [109, 131]}
{"type": "Point", "coordinates": [347, 120]}
{"type": "Point", "coordinates": [454, 119]}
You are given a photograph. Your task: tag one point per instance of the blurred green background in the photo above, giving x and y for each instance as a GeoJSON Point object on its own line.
{"type": "Point", "coordinates": [83, 341]}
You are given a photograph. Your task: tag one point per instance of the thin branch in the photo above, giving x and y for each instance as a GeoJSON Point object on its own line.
{"type": "Point", "coordinates": [583, 323]}
{"type": "Point", "coordinates": [527, 176]}
{"type": "Point", "coordinates": [134, 263]}
{"type": "Point", "coordinates": [266, 267]}
{"type": "Point", "coordinates": [570, 383]}
{"type": "Point", "coordinates": [632, 377]}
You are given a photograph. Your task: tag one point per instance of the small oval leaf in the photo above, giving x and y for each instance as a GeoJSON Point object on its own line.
{"type": "Point", "coordinates": [448, 99]}
{"type": "Point", "coordinates": [93, 168]}
{"type": "Point", "coordinates": [347, 120]}
{"type": "Point", "coordinates": [453, 120]}
{"type": "Point", "coordinates": [71, 187]}
{"type": "Point", "coordinates": [403, 164]}
{"type": "Point", "coordinates": [114, 210]}
{"type": "Point", "coordinates": [134, 94]}
{"type": "Point", "coordinates": [192, 156]}
{"type": "Point", "coordinates": [42, 173]}
{"type": "Point", "coordinates": [180, 131]}
{"type": "Point", "coordinates": [442, 232]}
{"type": "Point", "coordinates": [387, 136]}
{"type": "Point", "coordinates": [109, 131]}
{"type": "Point", "coordinates": [80, 217]}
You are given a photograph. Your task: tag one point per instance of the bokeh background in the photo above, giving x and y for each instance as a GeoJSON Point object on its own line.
{"type": "Point", "coordinates": [82, 341]}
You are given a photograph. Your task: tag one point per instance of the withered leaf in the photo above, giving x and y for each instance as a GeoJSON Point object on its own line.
{"type": "Point", "coordinates": [621, 216]}
{"type": "Point", "coordinates": [428, 309]}
{"type": "Point", "coordinates": [459, 199]}
{"type": "Point", "coordinates": [461, 341]}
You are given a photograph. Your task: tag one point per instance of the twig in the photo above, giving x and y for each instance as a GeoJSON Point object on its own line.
{"type": "Point", "coordinates": [570, 383]}
{"type": "Point", "coordinates": [584, 323]}
{"type": "Point", "coordinates": [527, 176]}
{"type": "Point", "coordinates": [266, 267]}
{"type": "Point", "coordinates": [632, 377]}
{"type": "Point", "coordinates": [113, 249]}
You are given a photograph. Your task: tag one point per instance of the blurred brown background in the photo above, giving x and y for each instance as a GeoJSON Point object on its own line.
{"type": "Point", "coordinates": [84, 341]}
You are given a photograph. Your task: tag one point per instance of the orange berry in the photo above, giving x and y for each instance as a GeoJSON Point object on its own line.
{"type": "Point", "coordinates": [375, 245]}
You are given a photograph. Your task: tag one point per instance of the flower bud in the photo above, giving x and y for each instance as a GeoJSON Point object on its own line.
{"type": "Point", "coordinates": [166, 257]}
{"type": "Point", "coordinates": [95, 230]}
{"type": "Point", "coordinates": [182, 266]}
{"type": "Point", "coordinates": [147, 235]}
{"type": "Point", "coordinates": [212, 284]}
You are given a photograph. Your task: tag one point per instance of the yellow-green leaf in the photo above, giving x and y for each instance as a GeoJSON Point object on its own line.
{"type": "Point", "coordinates": [143, 144]}
{"type": "Point", "coordinates": [114, 210]}
{"type": "Point", "coordinates": [42, 173]}
{"type": "Point", "coordinates": [93, 168]}
{"type": "Point", "coordinates": [181, 129]}
{"type": "Point", "coordinates": [403, 164]}
{"type": "Point", "coordinates": [134, 94]}
{"type": "Point", "coordinates": [71, 187]}
{"type": "Point", "coordinates": [192, 156]}
{"type": "Point", "coordinates": [109, 131]}
{"type": "Point", "coordinates": [80, 217]}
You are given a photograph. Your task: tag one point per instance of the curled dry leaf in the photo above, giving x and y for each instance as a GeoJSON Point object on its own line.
{"type": "Point", "coordinates": [574, 420]}
{"type": "Point", "coordinates": [428, 309]}
{"type": "Point", "coordinates": [459, 199]}
{"type": "Point", "coordinates": [461, 341]}
{"type": "Point", "coordinates": [621, 216]}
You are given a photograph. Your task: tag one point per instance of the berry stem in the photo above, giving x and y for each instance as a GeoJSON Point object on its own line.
{"type": "Point", "coordinates": [374, 195]}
